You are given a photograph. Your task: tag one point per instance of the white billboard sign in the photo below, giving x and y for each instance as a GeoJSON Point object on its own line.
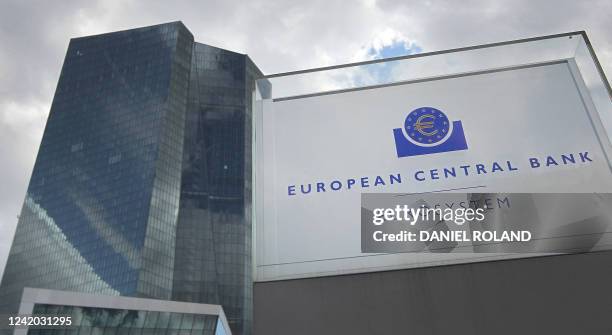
{"type": "Point", "coordinates": [528, 128]}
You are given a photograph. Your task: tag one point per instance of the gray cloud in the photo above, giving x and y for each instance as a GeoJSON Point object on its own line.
{"type": "Point", "coordinates": [278, 35]}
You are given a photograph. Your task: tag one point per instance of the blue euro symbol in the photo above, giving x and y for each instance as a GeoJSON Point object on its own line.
{"type": "Point", "coordinates": [428, 131]}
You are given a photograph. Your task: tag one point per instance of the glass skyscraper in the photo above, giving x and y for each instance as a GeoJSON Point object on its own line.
{"type": "Point", "coordinates": [141, 187]}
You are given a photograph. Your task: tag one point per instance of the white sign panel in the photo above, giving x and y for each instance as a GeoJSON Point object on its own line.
{"type": "Point", "coordinates": [523, 129]}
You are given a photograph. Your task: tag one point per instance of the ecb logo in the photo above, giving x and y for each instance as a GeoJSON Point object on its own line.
{"type": "Point", "coordinates": [427, 131]}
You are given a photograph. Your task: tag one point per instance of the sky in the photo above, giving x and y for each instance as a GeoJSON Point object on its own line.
{"type": "Point", "coordinates": [278, 35]}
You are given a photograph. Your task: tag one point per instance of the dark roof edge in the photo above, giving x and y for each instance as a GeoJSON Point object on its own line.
{"type": "Point", "coordinates": [125, 30]}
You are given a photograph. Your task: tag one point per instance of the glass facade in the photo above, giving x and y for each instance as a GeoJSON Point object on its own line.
{"type": "Point", "coordinates": [141, 186]}
{"type": "Point", "coordinates": [213, 253]}
{"type": "Point", "coordinates": [107, 321]}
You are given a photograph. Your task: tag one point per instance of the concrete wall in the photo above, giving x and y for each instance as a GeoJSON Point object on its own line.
{"type": "Point", "coordinates": [569, 294]}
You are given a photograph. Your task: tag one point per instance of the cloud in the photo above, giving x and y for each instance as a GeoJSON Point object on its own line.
{"type": "Point", "coordinates": [278, 35]}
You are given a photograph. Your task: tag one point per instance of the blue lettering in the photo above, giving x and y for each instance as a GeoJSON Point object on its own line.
{"type": "Point", "coordinates": [510, 167]}
{"type": "Point", "coordinates": [365, 182]}
{"type": "Point", "coordinates": [350, 183]}
{"type": "Point", "coordinates": [395, 178]}
{"type": "Point", "coordinates": [291, 190]}
{"type": "Point", "coordinates": [569, 158]}
{"type": "Point", "coordinates": [320, 187]}
{"type": "Point", "coordinates": [416, 176]}
{"type": "Point", "coordinates": [465, 169]}
{"type": "Point", "coordinates": [496, 167]}
{"type": "Point", "coordinates": [336, 182]}
{"type": "Point", "coordinates": [379, 181]}
{"type": "Point", "coordinates": [304, 191]}
{"type": "Point", "coordinates": [434, 174]}
{"type": "Point", "coordinates": [480, 168]}
{"type": "Point", "coordinates": [534, 163]}
{"type": "Point", "coordinates": [450, 172]}
{"type": "Point", "coordinates": [550, 161]}
{"type": "Point", "coordinates": [584, 157]}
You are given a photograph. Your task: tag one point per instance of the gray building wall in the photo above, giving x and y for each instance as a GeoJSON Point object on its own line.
{"type": "Point", "coordinates": [569, 294]}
